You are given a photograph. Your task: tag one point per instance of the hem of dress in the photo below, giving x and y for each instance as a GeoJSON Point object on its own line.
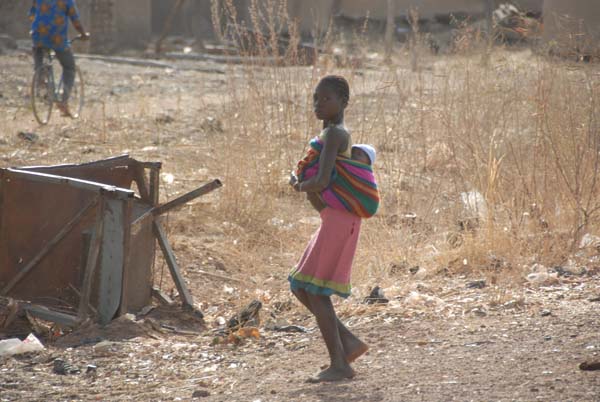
{"type": "Point", "coordinates": [315, 289]}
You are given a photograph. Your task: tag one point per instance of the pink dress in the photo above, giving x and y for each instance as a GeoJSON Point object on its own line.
{"type": "Point", "coordinates": [326, 264]}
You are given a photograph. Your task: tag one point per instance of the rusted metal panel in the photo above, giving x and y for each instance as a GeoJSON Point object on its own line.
{"type": "Point", "coordinates": [111, 261]}
{"type": "Point", "coordinates": [137, 288]}
{"type": "Point", "coordinates": [161, 236]}
{"type": "Point", "coordinates": [118, 171]}
{"type": "Point", "coordinates": [85, 244]}
{"type": "Point", "coordinates": [32, 213]}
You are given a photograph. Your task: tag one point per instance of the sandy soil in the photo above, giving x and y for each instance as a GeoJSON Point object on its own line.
{"type": "Point", "coordinates": [437, 339]}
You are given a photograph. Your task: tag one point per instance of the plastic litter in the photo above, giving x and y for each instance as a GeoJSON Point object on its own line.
{"type": "Point", "coordinates": [15, 346]}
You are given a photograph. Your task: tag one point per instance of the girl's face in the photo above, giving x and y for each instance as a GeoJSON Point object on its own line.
{"type": "Point", "coordinates": [327, 104]}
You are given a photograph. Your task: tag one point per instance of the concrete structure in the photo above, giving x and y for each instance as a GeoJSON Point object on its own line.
{"type": "Point", "coordinates": [112, 23]}
{"type": "Point", "coordinates": [121, 24]}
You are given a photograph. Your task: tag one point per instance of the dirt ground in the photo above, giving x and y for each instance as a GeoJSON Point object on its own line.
{"type": "Point", "coordinates": [438, 339]}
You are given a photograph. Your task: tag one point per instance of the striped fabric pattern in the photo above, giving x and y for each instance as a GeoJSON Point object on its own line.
{"type": "Point", "coordinates": [352, 188]}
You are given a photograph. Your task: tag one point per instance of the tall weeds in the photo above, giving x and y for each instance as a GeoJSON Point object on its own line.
{"type": "Point", "coordinates": [520, 130]}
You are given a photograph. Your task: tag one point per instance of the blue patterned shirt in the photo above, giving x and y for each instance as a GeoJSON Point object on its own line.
{"type": "Point", "coordinates": [50, 22]}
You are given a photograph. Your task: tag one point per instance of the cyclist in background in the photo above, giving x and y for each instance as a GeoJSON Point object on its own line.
{"type": "Point", "coordinates": [49, 26]}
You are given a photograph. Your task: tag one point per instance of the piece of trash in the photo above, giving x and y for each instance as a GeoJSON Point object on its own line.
{"type": "Point", "coordinates": [289, 328]}
{"type": "Point", "coordinates": [146, 310]}
{"type": "Point", "coordinates": [167, 178]}
{"type": "Point", "coordinates": [27, 136]}
{"type": "Point", "coordinates": [63, 368]}
{"type": "Point", "coordinates": [414, 270]}
{"type": "Point", "coordinates": [539, 278]}
{"type": "Point", "coordinates": [248, 332]}
{"type": "Point", "coordinates": [245, 332]}
{"type": "Point", "coordinates": [545, 313]}
{"type": "Point", "coordinates": [478, 311]}
{"type": "Point", "coordinates": [590, 366]}
{"type": "Point", "coordinates": [589, 241]}
{"type": "Point", "coordinates": [164, 119]}
{"type": "Point", "coordinates": [376, 296]}
{"type": "Point", "coordinates": [416, 299]}
{"type": "Point", "coordinates": [480, 284]}
{"type": "Point", "coordinates": [249, 316]}
{"type": "Point", "coordinates": [15, 346]}
{"type": "Point", "coordinates": [201, 393]}
{"type": "Point", "coordinates": [474, 204]}
{"type": "Point", "coordinates": [91, 368]}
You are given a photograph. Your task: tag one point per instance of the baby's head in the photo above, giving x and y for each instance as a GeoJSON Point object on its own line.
{"type": "Point", "coordinates": [363, 153]}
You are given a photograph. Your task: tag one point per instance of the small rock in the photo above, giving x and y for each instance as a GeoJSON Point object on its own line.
{"type": "Point", "coordinates": [414, 270]}
{"type": "Point", "coordinates": [545, 313]}
{"type": "Point", "coordinates": [480, 284]}
{"type": "Point", "coordinates": [164, 119]}
{"type": "Point", "coordinates": [590, 366]}
{"type": "Point", "coordinates": [376, 296]}
{"type": "Point", "coordinates": [201, 393]}
{"type": "Point", "coordinates": [478, 311]}
{"type": "Point", "coordinates": [63, 368]}
{"type": "Point", "coordinates": [289, 328]}
{"type": "Point", "coordinates": [547, 338]}
{"type": "Point", "coordinates": [31, 137]}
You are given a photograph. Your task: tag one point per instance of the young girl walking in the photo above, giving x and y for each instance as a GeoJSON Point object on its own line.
{"type": "Point", "coordinates": [325, 266]}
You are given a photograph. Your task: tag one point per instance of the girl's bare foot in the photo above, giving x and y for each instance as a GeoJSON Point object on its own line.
{"type": "Point", "coordinates": [354, 350]}
{"type": "Point", "coordinates": [332, 374]}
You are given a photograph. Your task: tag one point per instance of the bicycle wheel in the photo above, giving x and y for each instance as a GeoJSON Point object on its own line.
{"type": "Point", "coordinates": [76, 97]}
{"type": "Point", "coordinates": [42, 94]}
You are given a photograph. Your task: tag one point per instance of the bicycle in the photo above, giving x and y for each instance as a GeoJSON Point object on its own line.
{"type": "Point", "coordinates": [44, 92]}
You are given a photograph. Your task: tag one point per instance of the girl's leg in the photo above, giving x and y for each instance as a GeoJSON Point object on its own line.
{"type": "Point", "coordinates": [339, 368]}
{"type": "Point", "coordinates": [353, 346]}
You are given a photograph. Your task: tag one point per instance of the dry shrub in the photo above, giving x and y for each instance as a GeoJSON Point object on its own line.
{"type": "Point", "coordinates": [520, 130]}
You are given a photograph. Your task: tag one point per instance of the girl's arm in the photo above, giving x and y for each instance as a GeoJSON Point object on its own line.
{"type": "Point", "coordinates": [334, 139]}
{"type": "Point", "coordinates": [316, 201]}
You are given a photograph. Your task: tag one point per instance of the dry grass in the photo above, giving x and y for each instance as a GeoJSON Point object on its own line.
{"type": "Point", "coordinates": [516, 127]}
{"type": "Point", "coordinates": [520, 129]}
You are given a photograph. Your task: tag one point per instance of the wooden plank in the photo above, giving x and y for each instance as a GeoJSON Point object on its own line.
{"type": "Point", "coordinates": [91, 262]}
{"type": "Point", "coordinates": [2, 211]}
{"type": "Point", "coordinates": [162, 296]}
{"type": "Point", "coordinates": [141, 182]}
{"type": "Point", "coordinates": [127, 213]}
{"type": "Point", "coordinates": [113, 191]}
{"type": "Point", "coordinates": [154, 185]}
{"type": "Point", "coordinates": [161, 236]}
{"type": "Point", "coordinates": [179, 201]}
{"type": "Point", "coordinates": [49, 246]}
{"type": "Point", "coordinates": [109, 162]}
{"type": "Point", "coordinates": [49, 315]}
{"type": "Point", "coordinates": [111, 261]}
{"type": "Point", "coordinates": [167, 27]}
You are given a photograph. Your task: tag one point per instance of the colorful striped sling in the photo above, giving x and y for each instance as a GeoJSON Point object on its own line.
{"type": "Point", "coordinates": [352, 187]}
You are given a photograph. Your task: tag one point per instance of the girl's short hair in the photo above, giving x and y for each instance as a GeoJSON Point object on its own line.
{"type": "Point", "coordinates": [338, 84]}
